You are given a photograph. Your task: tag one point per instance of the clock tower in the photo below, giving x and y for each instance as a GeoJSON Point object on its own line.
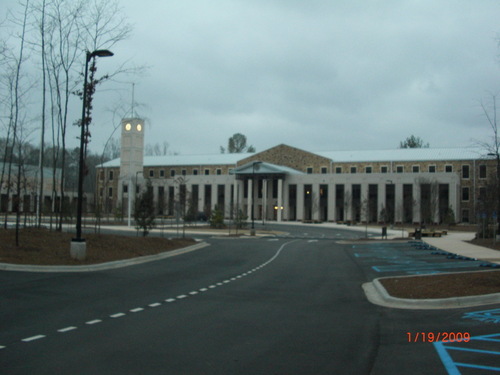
{"type": "Point", "coordinates": [131, 160]}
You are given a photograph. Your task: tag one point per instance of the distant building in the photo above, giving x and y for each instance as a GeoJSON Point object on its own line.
{"type": "Point", "coordinates": [285, 183]}
{"type": "Point", "coordinates": [29, 186]}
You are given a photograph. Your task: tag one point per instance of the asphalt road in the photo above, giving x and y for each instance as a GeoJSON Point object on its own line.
{"type": "Point", "coordinates": [289, 305]}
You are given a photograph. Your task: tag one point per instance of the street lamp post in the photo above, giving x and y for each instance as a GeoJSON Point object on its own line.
{"type": "Point", "coordinates": [78, 246]}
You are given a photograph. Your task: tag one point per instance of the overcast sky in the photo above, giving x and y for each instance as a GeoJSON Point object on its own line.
{"type": "Point", "coordinates": [318, 75]}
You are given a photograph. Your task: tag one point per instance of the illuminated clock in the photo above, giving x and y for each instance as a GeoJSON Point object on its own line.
{"type": "Point", "coordinates": [128, 127]}
{"type": "Point", "coordinates": [139, 127]}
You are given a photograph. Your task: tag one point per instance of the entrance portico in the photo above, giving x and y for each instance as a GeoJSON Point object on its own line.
{"type": "Point", "coordinates": [263, 189]}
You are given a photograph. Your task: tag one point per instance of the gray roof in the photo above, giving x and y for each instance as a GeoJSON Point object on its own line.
{"type": "Point", "coordinates": [399, 154]}
{"type": "Point", "coordinates": [31, 171]}
{"type": "Point", "coordinates": [405, 154]}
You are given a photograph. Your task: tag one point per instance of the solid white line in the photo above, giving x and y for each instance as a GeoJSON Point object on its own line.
{"type": "Point", "coordinates": [181, 296]}
{"type": "Point", "coordinates": [117, 315]}
{"type": "Point", "coordinates": [94, 321]}
{"type": "Point", "coordinates": [203, 289]}
{"type": "Point", "coordinates": [33, 338]}
{"type": "Point", "coordinates": [156, 304]}
{"type": "Point", "coordinates": [137, 309]}
{"type": "Point", "coordinates": [193, 292]}
{"type": "Point", "coordinates": [67, 329]}
{"type": "Point", "coordinates": [170, 300]}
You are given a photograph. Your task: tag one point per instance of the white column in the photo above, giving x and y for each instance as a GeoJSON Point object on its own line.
{"type": "Point", "coordinates": [300, 202]}
{"type": "Point", "coordinates": [332, 208]}
{"type": "Point", "coordinates": [214, 196]}
{"type": "Point", "coordinates": [250, 198]}
{"type": "Point", "coordinates": [348, 201]}
{"type": "Point", "coordinates": [398, 203]}
{"type": "Point", "coordinates": [416, 207]}
{"type": "Point", "coordinates": [279, 214]}
{"type": "Point", "coordinates": [453, 201]}
{"type": "Point", "coordinates": [201, 196]}
{"type": "Point", "coordinates": [381, 204]}
{"type": "Point", "coordinates": [227, 199]}
{"type": "Point", "coordinates": [364, 203]}
{"type": "Point", "coordinates": [315, 202]}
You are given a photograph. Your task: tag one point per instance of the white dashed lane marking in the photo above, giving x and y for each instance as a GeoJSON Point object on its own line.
{"type": "Point", "coordinates": [95, 321]}
{"type": "Point", "coordinates": [33, 338]}
{"type": "Point", "coordinates": [156, 304]}
{"type": "Point", "coordinates": [67, 329]}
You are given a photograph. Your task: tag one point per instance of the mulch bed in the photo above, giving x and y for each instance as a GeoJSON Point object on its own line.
{"type": "Point", "coordinates": [44, 247]}
{"type": "Point", "coordinates": [443, 286]}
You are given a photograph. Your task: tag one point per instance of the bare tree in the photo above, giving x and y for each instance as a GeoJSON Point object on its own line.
{"type": "Point", "coordinates": [237, 144]}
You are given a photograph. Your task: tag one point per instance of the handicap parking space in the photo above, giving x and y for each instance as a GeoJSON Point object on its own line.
{"type": "Point", "coordinates": [410, 258]}
{"type": "Point", "coordinates": [478, 355]}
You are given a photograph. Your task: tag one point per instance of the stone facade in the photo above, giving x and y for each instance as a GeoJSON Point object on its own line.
{"type": "Point", "coordinates": [315, 188]}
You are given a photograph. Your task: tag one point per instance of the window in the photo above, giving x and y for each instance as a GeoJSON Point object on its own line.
{"type": "Point", "coordinates": [465, 171]}
{"type": "Point", "coordinates": [338, 170]}
{"type": "Point", "coordinates": [482, 171]}
{"type": "Point", "coordinates": [465, 193]}
{"type": "Point", "coordinates": [110, 192]}
{"type": "Point", "coordinates": [101, 175]}
{"type": "Point", "coordinates": [162, 172]}
{"type": "Point", "coordinates": [448, 168]}
{"type": "Point", "coordinates": [111, 175]}
{"type": "Point", "coordinates": [183, 172]}
{"type": "Point", "coordinates": [207, 172]}
{"type": "Point", "coordinates": [151, 173]}
{"type": "Point", "coordinates": [309, 170]}
{"type": "Point", "coordinates": [218, 171]}
{"type": "Point", "coordinates": [353, 170]}
{"type": "Point", "coordinates": [125, 188]}
{"type": "Point", "coordinates": [415, 168]}
{"type": "Point", "coordinates": [368, 169]}
{"type": "Point", "coordinates": [400, 169]}
{"type": "Point", "coordinates": [384, 169]}
{"type": "Point", "coordinates": [324, 170]}
{"type": "Point", "coordinates": [432, 169]}
{"type": "Point", "coordinates": [195, 172]}
{"type": "Point", "coordinates": [172, 173]}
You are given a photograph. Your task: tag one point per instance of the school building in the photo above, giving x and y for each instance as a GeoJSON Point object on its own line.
{"type": "Point", "coordinates": [285, 183]}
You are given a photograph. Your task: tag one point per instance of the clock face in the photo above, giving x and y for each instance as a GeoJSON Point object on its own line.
{"type": "Point", "coordinates": [128, 127]}
{"type": "Point", "coordinates": [139, 127]}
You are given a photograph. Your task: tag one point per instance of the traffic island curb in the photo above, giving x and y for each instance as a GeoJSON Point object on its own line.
{"type": "Point", "coordinates": [378, 295]}
{"type": "Point", "coordinates": [101, 266]}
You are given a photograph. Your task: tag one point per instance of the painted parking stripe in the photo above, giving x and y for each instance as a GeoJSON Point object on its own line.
{"type": "Point", "coordinates": [169, 300]}
{"type": "Point", "coordinates": [193, 293]}
{"type": "Point", "coordinates": [67, 329]}
{"type": "Point", "coordinates": [156, 304]}
{"type": "Point", "coordinates": [33, 338]}
{"type": "Point", "coordinates": [95, 321]}
{"type": "Point", "coordinates": [181, 296]}
{"type": "Point", "coordinates": [137, 309]}
{"type": "Point", "coordinates": [203, 289]}
{"type": "Point", "coordinates": [212, 286]}
{"type": "Point", "coordinates": [117, 315]}
{"type": "Point", "coordinates": [2, 347]}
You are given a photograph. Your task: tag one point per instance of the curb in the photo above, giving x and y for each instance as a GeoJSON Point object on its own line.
{"type": "Point", "coordinates": [378, 295]}
{"type": "Point", "coordinates": [101, 266]}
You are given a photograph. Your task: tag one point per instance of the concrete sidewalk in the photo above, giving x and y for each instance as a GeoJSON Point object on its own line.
{"type": "Point", "coordinates": [454, 242]}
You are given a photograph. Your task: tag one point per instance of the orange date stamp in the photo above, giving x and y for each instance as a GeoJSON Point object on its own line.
{"type": "Point", "coordinates": [438, 336]}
